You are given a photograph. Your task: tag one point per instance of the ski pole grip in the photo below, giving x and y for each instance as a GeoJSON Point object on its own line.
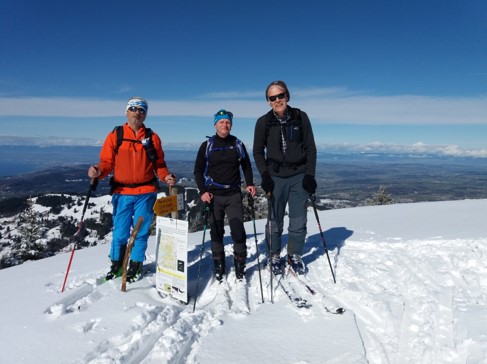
{"type": "Point", "coordinates": [94, 180]}
{"type": "Point", "coordinates": [206, 210]}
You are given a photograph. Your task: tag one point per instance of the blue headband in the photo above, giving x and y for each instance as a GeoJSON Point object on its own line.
{"type": "Point", "coordinates": [223, 114]}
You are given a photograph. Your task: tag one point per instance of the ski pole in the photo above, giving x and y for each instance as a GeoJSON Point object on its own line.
{"type": "Point", "coordinates": [93, 184]}
{"type": "Point", "coordinates": [312, 198]}
{"type": "Point", "coordinates": [206, 212]}
{"type": "Point", "coordinates": [252, 210]}
{"type": "Point", "coordinates": [269, 240]}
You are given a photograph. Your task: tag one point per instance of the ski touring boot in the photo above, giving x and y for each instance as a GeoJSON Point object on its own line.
{"type": "Point", "coordinates": [296, 264]}
{"type": "Point", "coordinates": [134, 272]}
{"type": "Point", "coordinates": [276, 265]}
{"type": "Point", "coordinates": [116, 267]}
{"type": "Point", "coordinates": [219, 262]}
{"type": "Point", "coordinates": [239, 261]}
{"type": "Point", "coordinates": [115, 270]}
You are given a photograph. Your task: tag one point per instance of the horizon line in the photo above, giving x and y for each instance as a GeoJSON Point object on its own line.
{"type": "Point", "coordinates": [415, 149]}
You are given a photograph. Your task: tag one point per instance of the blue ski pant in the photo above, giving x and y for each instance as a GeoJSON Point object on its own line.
{"type": "Point", "coordinates": [126, 212]}
{"type": "Point", "coordinates": [288, 191]}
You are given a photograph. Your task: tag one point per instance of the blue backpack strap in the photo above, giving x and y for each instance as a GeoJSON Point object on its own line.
{"type": "Point", "coordinates": [240, 149]}
{"type": "Point", "coordinates": [209, 146]}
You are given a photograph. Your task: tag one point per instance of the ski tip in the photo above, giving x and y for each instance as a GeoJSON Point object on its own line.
{"type": "Point", "coordinates": [338, 311]}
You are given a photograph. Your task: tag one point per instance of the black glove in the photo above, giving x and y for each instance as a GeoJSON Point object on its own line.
{"type": "Point", "coordinates": [309, 184]}
{"type": "Point", "coordinates": [267, 183]}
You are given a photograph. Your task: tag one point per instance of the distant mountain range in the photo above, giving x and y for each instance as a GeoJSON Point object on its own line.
{"type": "Point", "coordinates": [344, 180]}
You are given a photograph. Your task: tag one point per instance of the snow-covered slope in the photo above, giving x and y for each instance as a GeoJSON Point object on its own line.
{"type": "Point", "coordinates": [412, 279]}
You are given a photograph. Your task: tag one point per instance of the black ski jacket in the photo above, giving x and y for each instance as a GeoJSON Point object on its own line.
{"type": "Point", "coordinates": [301, 149]}
{"type": "Point", "coordinates": [223, 167]}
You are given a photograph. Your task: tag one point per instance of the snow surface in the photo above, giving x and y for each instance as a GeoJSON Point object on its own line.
{"type": "Point", "coordinates": [411, 277]}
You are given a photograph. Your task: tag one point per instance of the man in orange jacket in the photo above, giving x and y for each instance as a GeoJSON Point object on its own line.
{"type": "Point", "coordinates": [136, 164]}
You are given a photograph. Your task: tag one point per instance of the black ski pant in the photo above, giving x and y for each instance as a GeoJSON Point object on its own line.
{"type": "Point", "coordinates": [232, 207]}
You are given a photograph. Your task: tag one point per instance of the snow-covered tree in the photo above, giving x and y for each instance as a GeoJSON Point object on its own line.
{"type": "Point", "coordinates": [30, 231]}
{"type": "Point", "coordinates": [382, 197]}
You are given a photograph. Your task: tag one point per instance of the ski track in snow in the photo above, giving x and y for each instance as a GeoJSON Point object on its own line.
{"type": "Point", "coordinates": [169, 332]}
{"type": "Point", "coordinates": [164, 333]}
{"type": "Point", "coordinates": [425, 332]}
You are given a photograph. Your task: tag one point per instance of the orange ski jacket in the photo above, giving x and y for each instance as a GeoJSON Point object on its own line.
{"type": "Point", "coordinates": [131, 166]}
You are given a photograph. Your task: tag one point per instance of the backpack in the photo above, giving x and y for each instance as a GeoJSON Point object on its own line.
{"type": "Point", "coordinates": [209, 149]}
{"type": "Point", "coordinates": [298, 121]}
{"type": "Point", "coordinates": [149, 150]}
{"type": "Point", "coordinates": [147, 142]}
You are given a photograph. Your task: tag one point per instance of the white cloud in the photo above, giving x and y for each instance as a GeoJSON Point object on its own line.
{"type": "Point", "coordinates": [48, 141]}
{"type": "Point", "coordinates": [418, 149]}
{"type": "Point", "coordinates": [323, 105]}
{"type": "Point", "coordinates": [395, 110]}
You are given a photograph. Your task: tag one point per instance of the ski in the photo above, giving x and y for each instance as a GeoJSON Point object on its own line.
{"type": "Point", "coordinates": [102, 279]}
{"type": "Point", "coordinates": [291, 293]}
{"type": "Point", "coordinates": [329, 304]}
{"type": "Point", "coordinates": [240, 299]}
{"type": "Point", "coordinates": [295, 298]}
{"type": "Point", "coordinates": [331, 307]}
{"type": "Point", "coordinates": [219, 296]}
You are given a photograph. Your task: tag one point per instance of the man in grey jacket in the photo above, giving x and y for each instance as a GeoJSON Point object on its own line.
{"type": "Point", "coordinates": [285, 154]}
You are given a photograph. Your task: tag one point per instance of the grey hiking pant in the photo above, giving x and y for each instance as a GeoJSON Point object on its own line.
{"type": "Point", "coordinates": [288, 191]}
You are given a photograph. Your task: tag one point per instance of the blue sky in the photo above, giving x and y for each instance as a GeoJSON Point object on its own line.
{"type": "Point", "coordinates": [383, 75]}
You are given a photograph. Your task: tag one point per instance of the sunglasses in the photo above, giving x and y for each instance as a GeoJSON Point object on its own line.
{"type": "Point", "coordinates": [280, 97]}
{"type": "Point", "coordinates": [224, 112]}
{"type": "Point", "coordinates": [137, 109]}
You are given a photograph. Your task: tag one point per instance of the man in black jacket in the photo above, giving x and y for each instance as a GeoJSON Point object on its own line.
{"type": "Point", "coordinates": [285, 154]}
{"type": "Point", "coordinates": [217, 175]}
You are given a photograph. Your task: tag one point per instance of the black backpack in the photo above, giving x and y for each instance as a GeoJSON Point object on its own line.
{"type": "Point", "coordinates": [298, 121]}
{"type": "Point", "coordinates": [147, 142]}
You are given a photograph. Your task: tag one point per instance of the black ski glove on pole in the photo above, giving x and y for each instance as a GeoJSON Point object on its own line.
{"type": "Point", "coordinates": [309, 184]}
{"type": "Point", "coordinates": [267, 183]}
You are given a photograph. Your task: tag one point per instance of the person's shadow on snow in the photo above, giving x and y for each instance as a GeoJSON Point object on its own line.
{"type": "Point", "coordinates": [334, 238]}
